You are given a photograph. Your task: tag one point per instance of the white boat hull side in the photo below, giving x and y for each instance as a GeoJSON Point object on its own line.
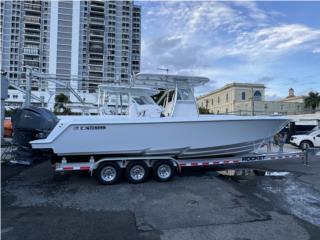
{"type": "Point", "coordinates": [203, 137]}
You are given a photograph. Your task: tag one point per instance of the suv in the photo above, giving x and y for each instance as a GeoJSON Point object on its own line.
{"type": "Point", "coordinates": [304, 141]}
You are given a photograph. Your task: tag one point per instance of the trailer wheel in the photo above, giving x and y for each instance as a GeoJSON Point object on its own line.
{"type": "Point", "coordinates": [137, 172]}
{"type": "Point", "coordinates": [108, 173]}
{"type": "Point", "coordinates": [163, 171]}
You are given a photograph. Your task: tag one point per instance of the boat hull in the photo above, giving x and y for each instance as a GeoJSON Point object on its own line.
{"type": "Point", "coordinates": [199, 137]}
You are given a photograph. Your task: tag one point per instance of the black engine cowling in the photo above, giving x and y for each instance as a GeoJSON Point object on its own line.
{"type": "Point", "coordinates": [31, 123]}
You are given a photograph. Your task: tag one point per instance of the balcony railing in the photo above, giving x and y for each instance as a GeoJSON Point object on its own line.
{"type": "Point", "coordinates": [30, 19]}
{"type": "Point", "coordinates": [95, 68]}
{"type": "Point", "coordinates": [32, 7]}
{"type": "Point", "coordinates": [31, 51]}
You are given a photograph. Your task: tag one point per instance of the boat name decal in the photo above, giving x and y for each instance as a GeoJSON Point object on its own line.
{"type": "Point", "coordinates": [253, 158]}
{"type": "Point", "coordinates": [90, 127]}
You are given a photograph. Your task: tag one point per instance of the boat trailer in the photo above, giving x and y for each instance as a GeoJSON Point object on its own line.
{"type": "Point", "coordinates": [108, 170]}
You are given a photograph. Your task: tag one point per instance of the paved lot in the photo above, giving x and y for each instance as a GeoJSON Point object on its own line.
{"type": "Point", "coordinates": [195, 205]}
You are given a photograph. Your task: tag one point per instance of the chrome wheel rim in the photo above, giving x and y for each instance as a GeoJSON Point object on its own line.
{"type": "Point", "coordinates": [108, 173]}
{"type": "Point", "coordinates": [137, 172]}
{"type": "Point", "coordinates": [164, 171]}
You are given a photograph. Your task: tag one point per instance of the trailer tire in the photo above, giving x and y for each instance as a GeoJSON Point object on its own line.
{"type": "Point", "coordinates": [108, 173]}
{"type": "Point", "coordinates": [137, 172]}
{"type": "Point", "coordinates": [163, 171]}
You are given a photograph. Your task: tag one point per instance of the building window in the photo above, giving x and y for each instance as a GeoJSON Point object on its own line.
{"type": "Point", "coordinates": [212, 101]}
{"type": "Point", "coordinates": [243, 95]}
{"type": "Point", "coordinates": [218, 99]}
{"type": "Point", "coordinates": [257, 96]}
{"type": "Point", "coordinates": [207, 103]}
{"type": "Point", "coordinates": [226, 110]}
{"type": "Point", "coordinates": [227, 97]}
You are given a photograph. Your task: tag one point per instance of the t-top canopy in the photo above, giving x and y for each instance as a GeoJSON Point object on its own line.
{"type": "Point", "coordinates": [134, 91]}
{"type": "Point", "coordinates": [168, 81]}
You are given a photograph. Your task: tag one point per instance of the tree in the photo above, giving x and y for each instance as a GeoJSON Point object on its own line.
{"type": "Point", "coordinates": [59, 106]}
{"type": "Point", "coordinates": [203, 110]}
{"type": "Point", "coordinates": [312, 100]}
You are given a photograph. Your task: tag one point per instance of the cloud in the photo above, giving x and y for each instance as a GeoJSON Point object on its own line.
{"type": "Point", "coordinates": [225, 41]}
{"type": "Point", "coordinates": [265, 79]}
{"type": "Point", "coordinates": [316, 50]}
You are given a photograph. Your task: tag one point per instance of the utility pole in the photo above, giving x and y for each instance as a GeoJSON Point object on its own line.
{"type": "Point", "coordinates": [4, 96]}
{"type": "Point", "coordinates": [252, 102]}
{"type": "Point", "coordinates": [28, 87]}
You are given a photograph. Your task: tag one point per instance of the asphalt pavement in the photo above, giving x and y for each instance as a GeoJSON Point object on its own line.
{"type": "Point", "coordinates": [197, 204]}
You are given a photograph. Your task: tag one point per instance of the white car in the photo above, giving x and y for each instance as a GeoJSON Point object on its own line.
{"type": "Point", "coordinates": [304, 141]}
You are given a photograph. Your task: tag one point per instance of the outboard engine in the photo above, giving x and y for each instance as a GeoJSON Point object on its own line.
{"type": "Point", "coordinates": [31, 123]}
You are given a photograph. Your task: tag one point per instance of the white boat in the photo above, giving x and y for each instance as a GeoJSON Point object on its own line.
{"type": "Point", "coordinates": [171, 127]}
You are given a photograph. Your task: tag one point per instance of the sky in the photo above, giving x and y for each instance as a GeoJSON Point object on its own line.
{"type": "Point", "coordinates": [274, 43]}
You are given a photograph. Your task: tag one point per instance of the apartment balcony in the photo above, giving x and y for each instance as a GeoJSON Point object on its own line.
{"type": "Point", "coordinates": [31, 51]}
{"type": "Point", "coordinates": [95, 63]}
{"type": "Point", "coordinates": [98, 51]}
{"type": "Point", "coordinates": [95, 68]}
{"type": "Point", "coordinates": [30, 6]}
{"type": "Point", "coordinates": [31, 63]}
{"type": "Point", "coordinates": [96, 56]}
{"type": "Point", "coordinates": [32, 10]}
{"type": "Point", "coordinates": [96, 26]}
{"type": "Point", "coordinates": [98, 32]}
{"type": "Point", "coordinates": [98, 14]}
{"type": "Point", "coordinates": [96, 8]}
{"type": "Point", "coordinates": [95, 37]}
{"type": "Point", "coordinates": [97, 3]}
{"type": "Point", "coordinates": [32, 32]}
{"type": "Point", "coordinates": [96, 45]}
{"type": "Point", "coordinates": [96, 74]}
{"type": "Point", "coordinates": [96, 19]}
{"type": "Point", "coordinates": [32, 20]}
{"type": "Point", "coordinates": [32, 38]}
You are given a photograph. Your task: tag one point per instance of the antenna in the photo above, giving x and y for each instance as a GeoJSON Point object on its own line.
{"type": "Point", "coordinates": [164, 69]}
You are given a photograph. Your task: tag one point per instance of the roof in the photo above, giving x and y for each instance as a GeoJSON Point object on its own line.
{"type": "Point", "coordinates": [234, 84]}
{"type": "Point", "coordinates": [291, 98]}
{"type": "Point", "coordinates": [168, 81]}
{"type": "Point", "coordinates": [135, 91]}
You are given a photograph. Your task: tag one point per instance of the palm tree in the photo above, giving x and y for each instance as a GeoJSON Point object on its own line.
{"type": "Point", "coordinates": [60, 101]}
{"type": "Point", "coordinates": [312, 100]}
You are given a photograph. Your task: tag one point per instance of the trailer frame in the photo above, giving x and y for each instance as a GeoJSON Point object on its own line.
{"type": "Point", "coordinates": [177, 164]}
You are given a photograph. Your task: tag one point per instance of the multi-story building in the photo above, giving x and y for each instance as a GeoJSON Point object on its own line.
{"type": "Point", "coordinates": [24, 38]}
{"type": "Point", "coordinates": [110, 41]}
{"type": "Point", "coordinates": [248, 99]}
{"type": "Point", "coordinates": [85, 42]}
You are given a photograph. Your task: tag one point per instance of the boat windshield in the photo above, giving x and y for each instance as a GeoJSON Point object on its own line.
{"type": "Point", "coordinates": [185, 94]}
{"type": "Point", "coordinates": [143, 100]}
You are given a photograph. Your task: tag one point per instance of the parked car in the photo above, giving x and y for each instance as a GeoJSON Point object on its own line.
{"type": "Point", "coordinates": [298, 128]}
{"type": "Point", "coordinates": [304, 141]}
